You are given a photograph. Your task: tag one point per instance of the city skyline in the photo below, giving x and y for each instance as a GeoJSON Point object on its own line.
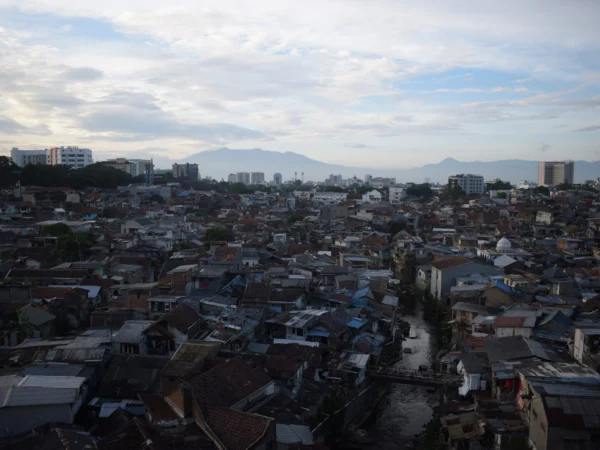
{"type": "Point", "coordinates": [355, 84]}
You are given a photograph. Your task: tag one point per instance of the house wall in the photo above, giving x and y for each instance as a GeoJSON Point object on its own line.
{"type": "Point", "coordinates": [538, 425]}
{"type": "Point", "coordinates": [442, 281]}
{"type": "Point", "coordinates": [18, 419]}
{"type": "Point", "coordinates": [265, 391]}
{"type": "Point", "coordinates": [494, 297]}
{"type": "Point", "coordinates": [578, 345]}
{"type": "Point", "coordinates": [513, 331]}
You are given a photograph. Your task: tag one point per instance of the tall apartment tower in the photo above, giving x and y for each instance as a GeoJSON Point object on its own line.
{"type": "Point", "coordinates": [553, 173]}
{"type": "Point", "coordinates": [257, 178]}
{"type": "Point", "coordinates": [277, 179]}
{"type": "Point", "coordinates": [243, 177]}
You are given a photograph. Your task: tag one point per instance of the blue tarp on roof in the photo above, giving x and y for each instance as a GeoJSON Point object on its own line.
{"type": "Point", "coordinates": [319, 333]}
{"type": "Point", "coordinates": [356, 323]}
{"type": "Point", "coordinates": [361, 297]}
{"type": "Point", "coordinates": [373, 342]}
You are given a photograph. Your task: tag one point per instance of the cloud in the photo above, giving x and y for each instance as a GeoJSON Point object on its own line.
{"type": "Point", "coordinates": [82, 74]}
{"type": "Point", "coordinates": [544, 148]}
{"type": "Point", "coordinates": [116, 123]}
{"type": "Point", "coordinates": [313, 82]}
{"type": "Point", "coordinates": [10, 126]}
{"type": "Point", "coordinates": [590, 128]}
{"type": "Point", "coordinates": [359, 146]}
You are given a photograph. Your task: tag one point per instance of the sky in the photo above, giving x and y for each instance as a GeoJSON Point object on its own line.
{"type": "Point", "coordinates": [364, 83]}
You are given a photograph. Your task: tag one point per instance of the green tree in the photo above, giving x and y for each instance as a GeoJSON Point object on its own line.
{"type": "Point", "coordinates": [395, 226]}
{"type": "Point", "coordinates": [57, 230]}
{"type": "Point", "coordinates": [239, 188]}
{"type": "Point", "coordinates": [74, 246]}
{"type": "Point", "coordinates": [501, 195]}
{"type": "Point", "coordinates": [542, 190]}
{"type": "Point", "coordinates": [9, 172]}
{"type": "Point", "coordinates": [155, 198]}
{"type": "Point", "coordinates": [216, 233]}
{"type": "Point", "coordinates": [183, 245]}
{"type": "Point", "coordinates": [420, 190]}
{"type": "Point", "coordinates": [295, 217]}
{"type": "Point", "coordinates": [498, 185]}
{"type": "Point", "coordinates": [564, 187]}
{"type": "Point", "coordinates": [94, 175]}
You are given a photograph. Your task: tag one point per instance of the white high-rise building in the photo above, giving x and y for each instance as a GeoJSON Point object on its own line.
{"type": "Point", "coordinates": [277, 179]}
{"type": "Point", "coordinates": [243, 177]}
{"type": "Point", "coordinates": [69, 156]}
{"type": "Point", "coordinates": [23, 157]}
{"type": "Point", "coordinates": [257, 178]}
{"type": "Point", "coordinates": [553, 173]}
{"type": "Point", "coordinates": [232, 178]}
{"type": "Point", "coordinates": [469, 183]}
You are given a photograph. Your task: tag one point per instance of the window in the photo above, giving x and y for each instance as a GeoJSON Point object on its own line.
{"type": "Point", "coordinates": [299, 332]}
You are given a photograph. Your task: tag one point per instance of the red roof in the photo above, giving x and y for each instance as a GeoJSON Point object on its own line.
{"type": "Point", "coordinates": [509, 321]}
{"type": "Point", "coordinates": [237, 430]}
{"type": "Point", "coordinates": [447, 263]}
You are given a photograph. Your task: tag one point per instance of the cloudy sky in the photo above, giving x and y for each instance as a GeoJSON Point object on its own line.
{"type": "Point", "coordinates": [373, 83]}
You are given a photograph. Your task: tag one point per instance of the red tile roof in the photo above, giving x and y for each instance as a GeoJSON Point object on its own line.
{"type": "Point", "coordinates": [228, 383]}
{"type": "Point", "coordinates": [509, 321]}
{"type": "Point", "coordinates": [447, 263]}
{"type": "Point", "coordinates": [237, 430]}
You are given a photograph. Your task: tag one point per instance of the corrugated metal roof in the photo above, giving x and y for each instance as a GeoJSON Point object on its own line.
{"type": "Point", "coordinates": [293, 434]}
{"type": "Point", "coordinates": [359, 359]}
{"type": "Point", "coordinates": [30, 396]}
{"type": "Point", "coordinates": [52, 381]}
{"type": "Point", "coordinates": [131, 331]}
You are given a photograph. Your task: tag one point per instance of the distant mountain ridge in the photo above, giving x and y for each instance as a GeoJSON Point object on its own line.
{"type": "Point", "coordinates": [220, 163]}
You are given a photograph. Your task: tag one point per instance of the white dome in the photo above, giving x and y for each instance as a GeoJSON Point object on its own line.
{"type": "Point", "coordinates": [503, 245]}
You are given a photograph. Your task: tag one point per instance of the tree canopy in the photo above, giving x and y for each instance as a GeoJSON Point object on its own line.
{"type": "Point", "coordinates": [498, 185]}
{"type": "Point", "coordinates": [94, 175]}
{"type": "Point", "coordinates": [9, 172]}
{"type": "Point", "coordinates": [542, 190]}
{"type": "Point", "coordinates": [216, 233]}
{"type": "Point", "coordinates": [70, 246]}
{"type": "Point", "coordinates": [420, 190]}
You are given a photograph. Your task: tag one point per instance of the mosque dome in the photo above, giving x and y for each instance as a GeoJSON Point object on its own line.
{"type": "Point", "coordinates": [503, 245]}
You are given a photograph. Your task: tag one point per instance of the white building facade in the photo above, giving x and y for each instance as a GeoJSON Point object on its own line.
{"type": "Point", "coordinates": [257, 178]}
{"type": "Point", "coordinates": [397, 194]}
{"type": "Point", "coordinates": [469, 183]}
{"type": "Point", "coordinates": [23, 157]}
{"type": "Point", "coordinates": [243, 177]}
{"type": "Point", "coordinates": [69, 156]}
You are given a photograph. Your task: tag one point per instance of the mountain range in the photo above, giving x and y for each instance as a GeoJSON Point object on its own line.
{"type": "Point", "coordinates": [220, 163]}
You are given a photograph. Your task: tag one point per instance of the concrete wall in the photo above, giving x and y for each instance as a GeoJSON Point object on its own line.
{"type": "Point", "coordinates": [442, 281]}
{"type": "Point", "coordinates": [538, 425]}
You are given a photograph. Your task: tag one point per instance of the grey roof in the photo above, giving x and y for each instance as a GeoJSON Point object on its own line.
{"type": "Point", "coordinates": [125, 268]}
{"type": "Point", "coordinates": [33, 390]}
{"type": "Point", "coordinates": [293, 434]}
{"type": "Point", "coordinates": [471, 307]}
{"type": "Point", "coordinates": [131, 331]}
{"type": "Point", "coordinates": [54, 369]}
{"type": "Point", "coordinates": [475, 362]}
{"type": "Point", "coordinates": [518, 347]}
{"type": "Point", "coordinates": [255, 347]}
{"type": "Point", "coordinates": [35, 315]}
